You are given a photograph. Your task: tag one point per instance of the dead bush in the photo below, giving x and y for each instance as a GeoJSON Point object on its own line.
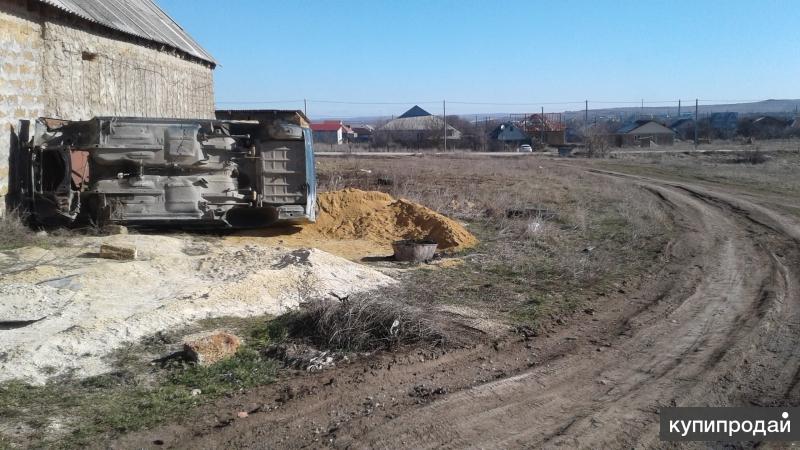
{"type": "Point", "coordinates": [362, 322]}
{"type": "Point", "coordinates": [14, 232]}
{"type": "Point", "coordinates": [751, 157]}
{"type": "Point", "coordinates": [596, 146]}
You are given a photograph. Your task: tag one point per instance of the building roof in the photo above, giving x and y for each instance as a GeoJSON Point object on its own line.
{"type": "Point", "coordinates": [416, 111]}
{"type": "Point", "coordinates": [550, 122]}
{"type": "Point", "coordinates": [417, 123]}
{"type": "Point", "coordinates": [769, 121]}
{"type": "Point", "coordinates": [647, 126]}
{"type": "Point", "coordinates": [363, 128]}
{"type": "Point", "coordinates": [508, 132]}
{"type": "Point", "coordinates": [140, 18]}
{"type": "Point", "coordinates": [326, 126]}
{"type": "Point", "coordinates": [685, 121]}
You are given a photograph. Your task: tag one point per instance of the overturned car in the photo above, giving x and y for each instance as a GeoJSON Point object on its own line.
{"type": "Point", "coordinates": [179, 172]}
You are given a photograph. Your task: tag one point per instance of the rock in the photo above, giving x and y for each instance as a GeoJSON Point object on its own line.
{"type": "Point", "coordinates": [196, 392]}
{"type": "Point", "coordinates": [120, 252]}
{"type": "Point", "coordinates": [114, 229]}
{"type": "Point", "coordinates": [211, 347]}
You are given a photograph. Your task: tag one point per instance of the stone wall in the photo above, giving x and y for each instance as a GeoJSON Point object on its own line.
{"type": "Point", "coordinates": [21, 86]}
{"type": "Point", "coordinates": [56, 65]}
{"type": "Point", "coordinates": [86, 75]}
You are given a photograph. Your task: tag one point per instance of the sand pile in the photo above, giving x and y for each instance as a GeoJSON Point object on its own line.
{"type": "Point", "coordinates": [83, 308]}
{"type": "Point", "coordinates": [379, 217]}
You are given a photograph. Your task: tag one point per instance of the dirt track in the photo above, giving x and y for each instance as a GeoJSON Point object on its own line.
{"type": "Point", "coordinates": [717, 323]}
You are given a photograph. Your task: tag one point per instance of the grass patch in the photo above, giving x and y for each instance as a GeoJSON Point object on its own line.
{"type": "Point", "coordinates": [15, 233]}
{"type": "Point", "coordinates": [76, 413]}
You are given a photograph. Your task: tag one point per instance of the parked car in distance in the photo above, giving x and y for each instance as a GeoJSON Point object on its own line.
{"type": "Point", "coordinates": [524, 148]}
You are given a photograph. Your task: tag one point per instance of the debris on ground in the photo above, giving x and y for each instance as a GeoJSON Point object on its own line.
{"type": "Point", "coordinates": [379, 217]}
{"type": "Point", "coordinates": [114, 229]}
{"type": "Point", "coordinates": [301, 357]}
{"type": "Point", "coordinates": [211, 347]}
{"type": "Point", "coordinates": [120, 252]}
{"type": "Point", "coordinates": [425, 394]}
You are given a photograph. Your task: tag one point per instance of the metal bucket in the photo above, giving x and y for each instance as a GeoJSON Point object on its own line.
{"type": "Point", "coordinates": [411, 250]}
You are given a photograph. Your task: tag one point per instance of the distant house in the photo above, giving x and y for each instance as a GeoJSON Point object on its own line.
{"type": "Point", "coordinates": [683, 128]}
{"type": "Point", "coordinates": [348, 133]}
{"type": "Point", "coordinates": [644, 133]}
{"type": "Point", "coordinates": [363, 132]}
{"type": "Point", "coordinates": [549, 127]}
{"type": "Point", "coordinates": [417, 127]}
{"type": "Point", "coordinates": [328, 132]}
{"type": "Point", "coordinates": [507, 136]}
{"type": "Point", "coordinates": [768, 127]}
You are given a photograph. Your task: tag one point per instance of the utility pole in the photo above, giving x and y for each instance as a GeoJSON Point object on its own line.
{"type": "Point", "coordinates": [305, 107]}
{"type": "Point", "coordinates": [696, 102]}
{"type": "Point", "coordinates": [679, 108]}
{"type": "Point", "coordinates": [542, 126]}
{"type": "Point", "coordinates": [642, 113]}
{"type": "Point", "coordinates": [586, 114]}
{"type": "Point", "coordinates": [444, 116]}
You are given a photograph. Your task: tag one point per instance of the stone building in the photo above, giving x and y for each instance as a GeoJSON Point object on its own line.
{"type": "Point", "coordinates": [76, 59]}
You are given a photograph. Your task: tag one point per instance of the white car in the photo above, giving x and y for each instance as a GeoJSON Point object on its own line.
{"type": "Point", "coordinates": [525, 148]}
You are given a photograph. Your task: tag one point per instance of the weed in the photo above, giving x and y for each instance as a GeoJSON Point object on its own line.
{"type": "Point", "coordinates": [14, 232]}
{"type": "Point", "coordinates": [362, 322]}
{"type": "Point", "coordinates": [120, 402]}
{"type": "Point", "coordinates": [751, 157]}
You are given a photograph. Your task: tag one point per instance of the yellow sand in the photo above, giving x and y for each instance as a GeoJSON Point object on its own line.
{"type": "Point", "coordinates": [354, 223]}
{"type": "Point", "coordinates": [378, 217]}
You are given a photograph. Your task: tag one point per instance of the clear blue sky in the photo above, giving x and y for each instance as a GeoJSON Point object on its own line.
{"type": "Point", "coordinates": [535, 52]}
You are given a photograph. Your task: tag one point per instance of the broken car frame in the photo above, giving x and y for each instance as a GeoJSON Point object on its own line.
{"type": "Point", "coordinates": [193, 172]}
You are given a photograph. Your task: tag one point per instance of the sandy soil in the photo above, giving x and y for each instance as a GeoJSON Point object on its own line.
{"type": "Point", "coordinates": [717, 324]}
{"type": "Point", "coordinates": [86, 307]}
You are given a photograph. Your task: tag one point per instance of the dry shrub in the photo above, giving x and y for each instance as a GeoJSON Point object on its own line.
{"type": "Point", "coordinates": [751, 157]}
{"type": "Point", "coordinates": [362, 322]}
{"type": "Point", "coordinates": [14, 232]}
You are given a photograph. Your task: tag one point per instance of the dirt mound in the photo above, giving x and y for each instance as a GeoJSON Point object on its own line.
{"type": "Point", "coordinates": [379, 217]}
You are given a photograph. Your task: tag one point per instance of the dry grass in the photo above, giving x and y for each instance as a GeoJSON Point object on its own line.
{"type": "Point", "coordinates": [761, 171]}
{"type": "Point", "coordinates": [362, 322]}
{"type": "Point", "coordinates": [14, 232]}
{"type": "Point", "coordinates": [583, 232]}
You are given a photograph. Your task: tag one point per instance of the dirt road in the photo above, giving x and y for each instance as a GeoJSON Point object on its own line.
{"type": "Point", "coordinates": [715, 322]}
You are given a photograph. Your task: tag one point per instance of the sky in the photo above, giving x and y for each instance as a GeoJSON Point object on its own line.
{"type": "Point", "coordinates": [382, 56]}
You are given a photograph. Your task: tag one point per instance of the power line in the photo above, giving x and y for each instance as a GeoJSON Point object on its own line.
{"type": "Point", "coordinates": [259, 102]}
{"type": "Point", "coordinates": [594, 103]}
{"type": "Point", "coordinates": [344, 102]}
{"type": "Point", "coordinates": [516, 104]}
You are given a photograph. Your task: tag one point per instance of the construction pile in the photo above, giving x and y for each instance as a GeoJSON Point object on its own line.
{"type": "Point", "coordinates": [380, 218]}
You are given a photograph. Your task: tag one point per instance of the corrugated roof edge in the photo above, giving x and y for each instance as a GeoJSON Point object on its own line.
{"type": "Point", "coordinates": [210, 58]}
{"type": "Point", "coordinates": [204, 57]}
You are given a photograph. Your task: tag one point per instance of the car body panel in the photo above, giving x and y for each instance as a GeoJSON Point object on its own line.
{"type": "Point", "coordinates": [200, 172]}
